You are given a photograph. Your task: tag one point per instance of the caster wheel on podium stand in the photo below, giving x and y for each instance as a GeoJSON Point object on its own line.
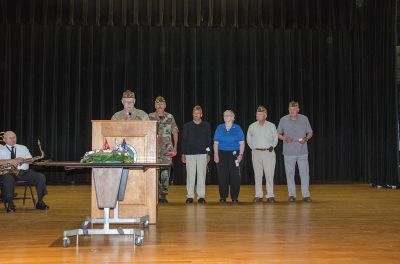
{"type": "Point", "coordinates": [138, 241]}
{"type": "Point", "coordinates": [66, 242]}
{"type": "Point", "coordinates": [145, 224]}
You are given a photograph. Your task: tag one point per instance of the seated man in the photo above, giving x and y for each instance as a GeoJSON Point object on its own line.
{"type": "Point", "coordinates": [17, 153]}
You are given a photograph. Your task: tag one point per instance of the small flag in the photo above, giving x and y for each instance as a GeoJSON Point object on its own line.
{"type": "Point", "coordinates": [105, 144]}
{"type": "Point", "coordinates": [123, 144]}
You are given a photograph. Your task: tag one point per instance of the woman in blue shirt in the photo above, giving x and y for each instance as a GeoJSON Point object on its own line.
{"type": "Point", "coordinates": [228, 154]}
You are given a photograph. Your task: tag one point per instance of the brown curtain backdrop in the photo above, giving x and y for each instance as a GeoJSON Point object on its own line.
{"type": "Point", "coordinates": [64, 63]}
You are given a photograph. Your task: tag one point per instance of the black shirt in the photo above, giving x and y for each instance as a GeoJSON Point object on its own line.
{"type": "Point", "coordinates": [196, 138]}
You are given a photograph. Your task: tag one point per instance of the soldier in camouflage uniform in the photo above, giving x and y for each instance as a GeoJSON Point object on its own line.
{"type": "Point", "coordinates": [167, 148]}
{"type": "Point", "coordinates": [129, 112]}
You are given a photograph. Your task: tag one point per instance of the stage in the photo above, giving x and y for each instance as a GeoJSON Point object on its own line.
{"type": "Point", "coordinates": [343, 224]}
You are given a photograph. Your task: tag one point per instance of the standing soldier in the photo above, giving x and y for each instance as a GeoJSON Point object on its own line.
{"type": "Point", "coordinates": [129, 112]}
{"type": "Point", "coordinates": [167, 148]}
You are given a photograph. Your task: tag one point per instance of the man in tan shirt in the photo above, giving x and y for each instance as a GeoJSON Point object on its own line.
{"type": "Point", "coordinates": [129, 112]}
{"type": "Point", "coordinates": [262, 138]}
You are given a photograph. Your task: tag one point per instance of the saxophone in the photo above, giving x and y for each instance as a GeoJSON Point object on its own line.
{"type": "Point", "coordinates": [10, 169]}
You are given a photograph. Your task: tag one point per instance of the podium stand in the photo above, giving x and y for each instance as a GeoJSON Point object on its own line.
{"type": "Point", "coordinates": [141, 186]}
{"type": "Point", "coordinates": [121, 193]}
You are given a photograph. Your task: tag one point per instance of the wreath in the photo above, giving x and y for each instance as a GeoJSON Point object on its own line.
{"type": "Point", "coordinates": [107, 156]}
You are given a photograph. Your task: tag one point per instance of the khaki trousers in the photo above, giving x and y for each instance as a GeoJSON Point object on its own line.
{"type": "Point", "coordinates": [264, 161]}
{"type": "Point", "coordinates": [196, 163]}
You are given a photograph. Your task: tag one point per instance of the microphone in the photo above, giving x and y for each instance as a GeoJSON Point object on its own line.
{"type": "Point", "coordinates": [129, 117]}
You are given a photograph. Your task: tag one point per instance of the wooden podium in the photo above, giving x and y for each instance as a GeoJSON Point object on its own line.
{"type": "Point", "coordinates": [141, 189]}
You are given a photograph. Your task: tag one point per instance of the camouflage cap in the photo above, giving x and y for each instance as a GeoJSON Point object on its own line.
{"type": "Point", "coordinates": [128, 94]}
{"type": "Point", "coordinates": [160, 99]}
{"type": "Point", "coordinates": [262, 109]}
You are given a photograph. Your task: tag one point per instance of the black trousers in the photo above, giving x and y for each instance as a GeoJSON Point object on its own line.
{"type": "Point", "coordinates": [228, 174]}
{"type": "Point", "coordinates": [31, 176]}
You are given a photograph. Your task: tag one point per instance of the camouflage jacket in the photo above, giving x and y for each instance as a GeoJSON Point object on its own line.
{"type": "Point", "coordinates": [136, 114]}
{"type": "Point", "coordinates": [167, 126]}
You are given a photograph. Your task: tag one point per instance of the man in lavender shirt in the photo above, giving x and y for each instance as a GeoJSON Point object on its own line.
{"type": "Point", "coordinates": [295, 130]}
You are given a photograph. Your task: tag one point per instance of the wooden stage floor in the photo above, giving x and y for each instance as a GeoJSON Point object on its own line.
{"type": "Point", "coordinates": [344, 224]}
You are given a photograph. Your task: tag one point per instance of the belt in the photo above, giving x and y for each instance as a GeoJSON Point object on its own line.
{"type": "Point", "coordinates": [270, 149]}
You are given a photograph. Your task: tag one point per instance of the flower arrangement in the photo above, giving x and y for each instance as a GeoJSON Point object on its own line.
{"type": "Point", "coordinates": [122, 153]}
{"type": "Point", "coordinates": [107, 156]}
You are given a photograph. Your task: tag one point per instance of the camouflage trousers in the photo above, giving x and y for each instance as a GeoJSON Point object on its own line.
{"type": "Point", "coordinates": [163, 182]}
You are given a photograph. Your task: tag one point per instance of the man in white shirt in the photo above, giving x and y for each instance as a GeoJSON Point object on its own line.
{"type": "Point", "coordinates": [14, 151]}
{"type": "Point", "coordinates": [262, 138]}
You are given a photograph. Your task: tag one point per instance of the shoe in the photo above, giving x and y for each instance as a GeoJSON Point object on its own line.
{"type": "Point", "coordinates": [201, 201]}
{"type": "Point", "coordinates": [307, 199]}
{"type": "Point", "coordinates": [292, 199]}
{"type": "Point", "coordinates": [189, 200]}
{"type": "Point", "coordinates": [257, 200]}
{"type": "Point", "coordinates": [42, 206]}
{"type": "Point", "coordinates": [222, 201]}
{"type": "Point", "coordinates": [10, 208]}
{"type": "Point", "coordinates": [235, 201]}
{"type": "Point", "coordinates": [271, 200]}
{"type": "Point", "coordinates": [162, 200]}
